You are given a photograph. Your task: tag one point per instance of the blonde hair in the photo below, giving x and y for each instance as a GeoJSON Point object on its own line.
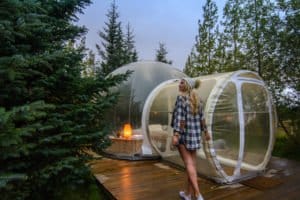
{"type": "Point", "coordinates": [191, 90]}
{"type": "Point", "coordinates": [194, 101]}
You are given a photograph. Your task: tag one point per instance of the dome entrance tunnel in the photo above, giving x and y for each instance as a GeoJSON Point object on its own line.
{"type": "Point", "coordinates": [239, 114]}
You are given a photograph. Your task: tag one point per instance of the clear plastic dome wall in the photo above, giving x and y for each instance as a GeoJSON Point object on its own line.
{"type": "Point", "coordinates": [240, 117]}
{"type": "Point", "coordinates": [146, 75]}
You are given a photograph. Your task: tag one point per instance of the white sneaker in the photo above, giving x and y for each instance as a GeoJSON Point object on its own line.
{"type": "Point", "coordinates": [184, 196]}
{"type": "Point", "coordinates": [200, 197]}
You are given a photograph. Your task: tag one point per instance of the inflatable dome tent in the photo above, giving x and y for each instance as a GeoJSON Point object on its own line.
{"type": "Point", "coordinates": [145, 76]}
{"type": "Point", "coordinates": [240, 117]}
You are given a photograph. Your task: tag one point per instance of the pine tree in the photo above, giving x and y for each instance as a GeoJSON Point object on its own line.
{"type": "Point", "coordinates": [220, 54]}
{"type": "Point", "coordinates": [161, 54]}
{"type": "Point", "coordinates": [232, 36]}
{"type": "Point", "coordinates": [189, 68]}
{"type": "Point", "coordinates": [116, 49]}
{"type": "Point", "coordinates": [48, 110]}
{"type": "Point", "coordinates": [130, 51]}
{"type": "Point", "coordinates": [112, 43]}
{"type": "Point", "coordinates": [260, 36]}
{"type": "Point", "coordinates": [88, 62]}
{"type": "Point", "coordinates": [206, 39]}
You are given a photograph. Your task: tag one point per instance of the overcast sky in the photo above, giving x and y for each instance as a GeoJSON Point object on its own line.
{"type": "Point", "coordinates": [172, 22]}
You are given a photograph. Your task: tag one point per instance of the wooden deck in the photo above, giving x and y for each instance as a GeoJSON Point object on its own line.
{"type": "Point", "coordinates": [148, 180]}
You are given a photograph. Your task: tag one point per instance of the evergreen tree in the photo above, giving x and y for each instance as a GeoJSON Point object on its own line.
{"type": "Point", "coordinates": [206, 39]}
{"type": "Point", "coordinates": [220, 54]}
{"type": "Point", "coordinates": [116, 48]}
{"type": "Point", "coordinates": [112, 43]}
{"type": "Point", "coordinates": [130, 51]}
{"type": "Point", "coordinates": [89, 64]}
{"type": "Point", "coordinates": [260, 36]}
{"type": "Point", "coordinates": [48, 111]}
{"type": "Point", "coordinates": [232, 36]}
{"type": "Point", "coordinates": [189, 68]}
{"type": "Point", "coordinates": [161, 54]}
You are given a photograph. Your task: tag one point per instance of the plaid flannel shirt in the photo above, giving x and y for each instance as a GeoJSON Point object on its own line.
{"type": "Point", "coordinates": [182, 114]}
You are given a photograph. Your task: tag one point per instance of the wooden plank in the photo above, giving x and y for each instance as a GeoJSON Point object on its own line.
{"type": "Point", "coordinates": [136, 179]}
{"type": "Point", "coordinates": [154, 179]}
{"type": "Point", "coordinates": [290, 189]}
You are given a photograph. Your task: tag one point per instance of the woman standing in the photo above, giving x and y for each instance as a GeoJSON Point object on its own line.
{"type": "Point", "coordinates": [188, 122]}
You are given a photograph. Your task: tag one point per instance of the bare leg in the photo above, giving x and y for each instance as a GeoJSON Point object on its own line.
{"type": "Point", "coordinates": [194, 158]}
{"type": "Point", "coordinates": [189, 159]}
{"type": "Point", "coordinates": [188, 187]}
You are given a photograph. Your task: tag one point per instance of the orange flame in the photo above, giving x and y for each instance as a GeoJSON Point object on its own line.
{"type": "Point", "coordinates": [127, 132]}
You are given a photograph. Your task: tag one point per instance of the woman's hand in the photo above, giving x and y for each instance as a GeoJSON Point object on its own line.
{"type": "Point", "coordinates": [206, 135]}
{"type": "Point", "coordinates": [175, 139]}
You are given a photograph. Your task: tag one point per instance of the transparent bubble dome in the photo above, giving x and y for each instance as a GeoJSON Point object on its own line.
{"type": "Point", "coordinates": [146, 75]}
